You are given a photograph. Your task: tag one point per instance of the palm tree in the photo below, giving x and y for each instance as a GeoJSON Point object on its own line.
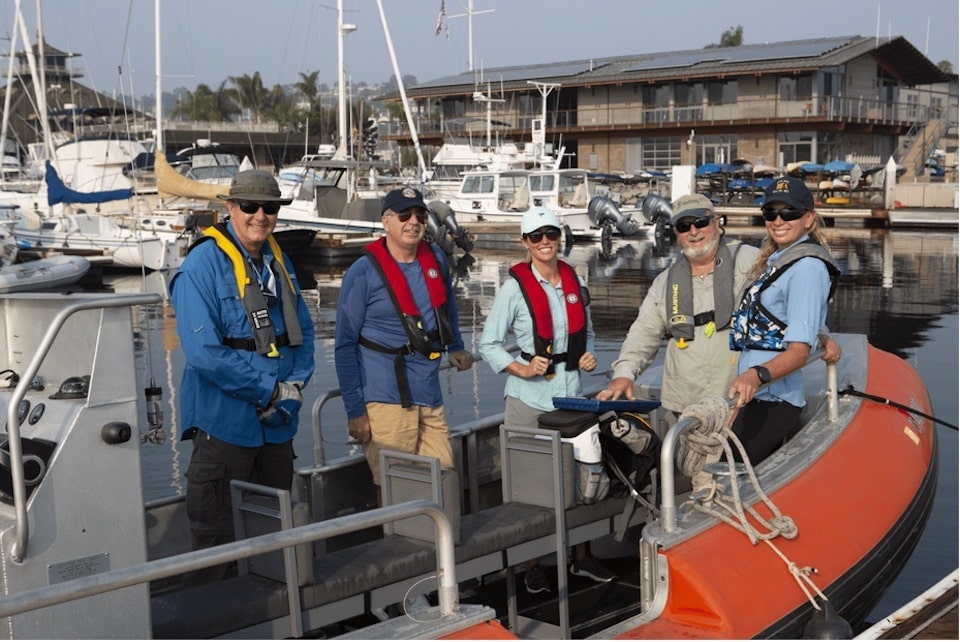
{"type": "Point", "coordinates": [250, 94]}
{"type": "Point", "coordinates": [308, 87]}
{"type": "Point", "coordinates": [206, 104]}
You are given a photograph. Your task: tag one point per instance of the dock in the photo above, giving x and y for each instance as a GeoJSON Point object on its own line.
{"type": "Point", "coordinates": [930, 616]}
{"type": "Point", "coordinates": [845, 217]}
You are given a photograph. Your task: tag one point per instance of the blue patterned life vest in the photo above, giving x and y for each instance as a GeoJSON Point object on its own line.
{"type": "Point", "coordinates": [754, 326]}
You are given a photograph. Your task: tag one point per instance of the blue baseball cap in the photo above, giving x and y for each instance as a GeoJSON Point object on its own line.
{"type": "Point", "coordinates": [400, 200]}
{"type": "Point", "coordinates": [791, 191]}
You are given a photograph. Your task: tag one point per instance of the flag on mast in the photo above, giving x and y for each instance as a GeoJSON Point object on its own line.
{"type": "Point", "coordinates": [443, 12]}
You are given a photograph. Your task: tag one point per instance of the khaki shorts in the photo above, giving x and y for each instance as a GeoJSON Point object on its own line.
{"type": "Point", "coordinates": [419, 430]}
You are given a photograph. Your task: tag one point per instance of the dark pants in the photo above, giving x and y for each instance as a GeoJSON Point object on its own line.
{"type": "Point", "coordinates": [764, 426]}
{"type": "Point", "coordinates": [213, 465]}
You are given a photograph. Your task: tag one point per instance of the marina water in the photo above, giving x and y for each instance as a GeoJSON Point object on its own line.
{"type": "Point", "coordinates": [899, 287]}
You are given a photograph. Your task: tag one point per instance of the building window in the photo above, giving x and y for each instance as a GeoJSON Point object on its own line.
{"type": "Point", "coordinates": [796, 87]}
{"type": "Point", "coordinates": [659, 153]}
{"type": "Point", "coordinates": [722, 92]}
{"type": "Point", "coordinates": [795, 147]}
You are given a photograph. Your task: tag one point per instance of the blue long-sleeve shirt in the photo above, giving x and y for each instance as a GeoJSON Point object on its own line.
{"type": "Point", "coordinates": [221, 386]}
{"type": "Point", "coordinates": [365, 308]}
{"type": "Point", "coordinates": [510, 312]}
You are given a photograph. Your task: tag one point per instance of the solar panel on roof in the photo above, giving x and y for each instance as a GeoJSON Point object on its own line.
{"type": "Point", "coordinates": [781, 51]}
{"type": "Point", "coordinates": [747, 53]}
{"type": "Point", "coordinates": [668, 60]}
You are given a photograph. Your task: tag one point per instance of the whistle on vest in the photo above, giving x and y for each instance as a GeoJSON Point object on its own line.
{"type": "Point", "coordinates": [681, 343]}
{"type": "Point", "coordinates": [433, 356]}
{"type": "Point", "coordinates": [273, 351]}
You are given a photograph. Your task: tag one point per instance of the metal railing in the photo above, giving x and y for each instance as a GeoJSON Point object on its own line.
{"type": "Point", "coordinates": [186, 562]}
{"type": "Point", "coordinates": [319, 456]}
{"type": "Point", "coordinates": [668, 500]}
{"type": "Point", "coordinates": [18, 550]}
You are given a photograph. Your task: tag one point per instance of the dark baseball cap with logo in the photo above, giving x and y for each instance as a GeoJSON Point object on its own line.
{"type": "Point", "coordinates": [400, 200]}
{"type": "Point", "coordinates": [790, 191]}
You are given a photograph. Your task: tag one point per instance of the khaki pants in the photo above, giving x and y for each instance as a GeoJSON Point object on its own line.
{"type": "Point", "coordinates": [419, 430]}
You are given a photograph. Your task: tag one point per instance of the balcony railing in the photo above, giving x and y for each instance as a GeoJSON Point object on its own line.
{"type": "Point", "coordinates": [746, 111]}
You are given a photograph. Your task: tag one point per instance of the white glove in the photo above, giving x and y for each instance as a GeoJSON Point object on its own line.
{"type": "Point", "coordinates": [287, 391]}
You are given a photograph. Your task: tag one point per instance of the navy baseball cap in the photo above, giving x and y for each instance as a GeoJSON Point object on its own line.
{"type": "Point", "coordinates": [400, 200]}
{"type": "Point", "coordinates": [791, 191]}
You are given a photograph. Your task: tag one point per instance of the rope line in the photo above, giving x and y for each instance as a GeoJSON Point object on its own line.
{"type": "Point", "coordinates": [704, 444]}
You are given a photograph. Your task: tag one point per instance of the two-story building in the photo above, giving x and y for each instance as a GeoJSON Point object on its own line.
{"type": "Point", "coordinates": [824, 99]}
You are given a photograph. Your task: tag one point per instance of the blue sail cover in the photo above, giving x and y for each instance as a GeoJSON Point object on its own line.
{"type": "Point", "coordinates": [57, 192]}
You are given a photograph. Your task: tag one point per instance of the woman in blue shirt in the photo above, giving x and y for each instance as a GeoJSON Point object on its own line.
{"type": "Point", "coordinates": [547, 307]}
{"type": "Point", "coordinates": [779, 317]}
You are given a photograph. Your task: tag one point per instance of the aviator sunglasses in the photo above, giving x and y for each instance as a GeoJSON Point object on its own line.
{"type": "Point", "coordinates": [552, 235]}
{"type": "Point", "coordinates": [251, 207]}
{"type": "Point", "coordinates": [403, 217]}
{"type": "Point", "coordinates": [684, 225]}
{"type": "Point", "coordinates": [787, 214]}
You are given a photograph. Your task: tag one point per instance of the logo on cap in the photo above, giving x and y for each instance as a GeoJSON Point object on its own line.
{"type": "Point", "coordinates": [408, 192]}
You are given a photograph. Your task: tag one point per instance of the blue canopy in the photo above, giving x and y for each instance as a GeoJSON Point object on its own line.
{"type": "Point", "coordinates": [57, 192]}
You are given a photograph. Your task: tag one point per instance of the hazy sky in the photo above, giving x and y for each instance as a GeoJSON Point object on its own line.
{"type": "Point", "coordinates": [205, 41]}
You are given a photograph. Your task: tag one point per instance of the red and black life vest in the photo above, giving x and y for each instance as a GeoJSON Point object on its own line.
{"type": "Point", "coordinates": [429, 344]}
{"type": "Point", "coordinates": [576, 299]}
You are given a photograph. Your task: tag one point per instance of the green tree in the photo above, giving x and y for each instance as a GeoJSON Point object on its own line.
{"type": "Point", "coordinates": [308, 88]}
{"type": "Point", "coordinates": [732, 37]}
{"type": "Point", "coordinates": [206, 104]}
{"type": "Point", "coordinates": [250, 94]}
{"type": "Point", "coordinates": [945, 66]}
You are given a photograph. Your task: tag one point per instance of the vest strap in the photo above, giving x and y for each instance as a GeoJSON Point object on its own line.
{"type": "Point", "coordinates": [250, 344]}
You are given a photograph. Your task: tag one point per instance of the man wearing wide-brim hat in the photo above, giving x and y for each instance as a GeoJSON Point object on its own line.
{"type": "Point", "coordinates": [247, 339]}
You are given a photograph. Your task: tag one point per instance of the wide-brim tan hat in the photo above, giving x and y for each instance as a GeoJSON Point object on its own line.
{"type": "Point", "coordinates": [255, 185]}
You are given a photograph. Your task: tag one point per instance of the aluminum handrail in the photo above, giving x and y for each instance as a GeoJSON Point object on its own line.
{"type": "Point", "coordinates": [18, 550]}
{"type": "Point", "coordinates": [668, 499]}
{"type": "Point", "coordinates": [319, 457]}
{"type": "Point", "coordinates": [186, 562]}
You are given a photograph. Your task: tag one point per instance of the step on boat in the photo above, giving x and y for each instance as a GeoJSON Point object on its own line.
{"type": "Point", "coordinates": [84, 557]}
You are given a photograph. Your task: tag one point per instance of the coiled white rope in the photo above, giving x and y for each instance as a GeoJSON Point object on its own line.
{"type": "Point", "coordinates": [705, 444]}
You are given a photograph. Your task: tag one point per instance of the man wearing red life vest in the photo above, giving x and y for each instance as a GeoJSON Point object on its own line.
{"type": "Point", "coordinates": [396, 315]}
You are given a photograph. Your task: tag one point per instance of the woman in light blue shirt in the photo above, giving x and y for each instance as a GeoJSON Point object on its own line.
{"type": "Point", "coordinates": [779, 319]}
{"type": "Point", "coordinates": [536, 376]}
{"type": "Point", "coordinates": [547, 307]}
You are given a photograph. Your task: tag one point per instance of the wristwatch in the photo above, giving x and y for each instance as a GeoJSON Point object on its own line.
{"type": "Point", "coordinates": [763, 373]}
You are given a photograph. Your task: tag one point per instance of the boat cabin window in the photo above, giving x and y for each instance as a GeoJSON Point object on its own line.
{"type": "Point", "coordinates": [542, 183]}
{"type": "Point", "coordinates": [478, 185]}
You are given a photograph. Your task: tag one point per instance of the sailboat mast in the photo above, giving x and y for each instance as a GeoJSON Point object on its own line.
{"type": "Point", "coordinates": [7, 95]}
{"type": "Point", "coordinates": [403, 94]}
{"type": "Point", "coordinates": [158, 135]}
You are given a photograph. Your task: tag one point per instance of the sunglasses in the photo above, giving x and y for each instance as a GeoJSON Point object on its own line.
{"type": "Point", "coordinates": [403, 217]}
{"type": "Point", "coordinates": [552, 234]}
{"type": "Point", "coordinates": [787, 214]}
{"type": "Point", "coordinates": [684, 225]}
{"type": "Point", "coordinates": [251, 207]}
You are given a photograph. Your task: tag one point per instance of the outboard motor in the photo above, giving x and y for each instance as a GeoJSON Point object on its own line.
{"type": "Point", "coordinates": [446, 216]}
{"type": "Point", "coordinates": [655, 207]}
{"type": "Point", "coordinates": [604, 212]}
{"type": "Point", "coordinates": [657, 210]}
{"type": "Point", "coordinates": [438, 234]}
